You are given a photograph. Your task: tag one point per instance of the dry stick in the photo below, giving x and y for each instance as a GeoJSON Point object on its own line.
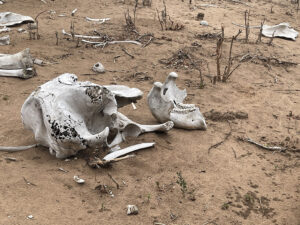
{"type": "Point", "coordinates": [127, 53]}
{"type": "Point", "coordinates": [274, 148]}
{"type": "Point", "coordinates": [160, 21]}
{"type": "Point", "coordinates": [134, 11]}
{"type": "Point", "coordinates": [271, 40]}
{"type": "Point", "coordinates": [219, 53]}
{"type": "Point", "coordinates": [247, 14]}
{"type": "Point", "coordinates": [56, 34]}
{"type": "Point", "coordinates": [37, 23]}
{"type": "Point", "coordinates": [221, 142]}
{"type": "Point", "coordinates": [145, 45]}
{"type": "Point", "coordinates": [260, 31]}
{"type": "Point", "coordinates": [29, 183]}
{"type": "Point", "coordinates": [110, 176]}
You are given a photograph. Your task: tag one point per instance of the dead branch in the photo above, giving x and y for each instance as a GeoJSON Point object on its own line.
{"type": "Point", "coordinates": [247, 26]}
{"type": "Point", "coordinates": [110, 176]}
{"type": "Point", "coordinates": [219, 53]}
{"type": "Point", "coordinates": [260, 31]}
{"type": "Point", "coordinates": [127, 53]}
{"type": "Point", "coordinates": [271, 148]}
{"type": "Point", "coordinates": [221, 142]}
{"type": "Point", "coordinates": [271, 39]}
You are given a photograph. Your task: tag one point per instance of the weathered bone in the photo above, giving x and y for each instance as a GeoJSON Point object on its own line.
{"type": "Point", "coordinates": [166, 103]}
{"type": "Point", "coordinates": [17, 65]}
{"type": "Point", "coordinates": [282, 30]}
{"type": "Point", "coordinates": [127, 150]}
{"type": "Point", "coordinates": [68, 116]}
{"type": "Point", "coordinates": [98, 68]}
{"type": "Point", "coordinates": [97, 20]}
{"type": "Point", "coordinates": [5, 40]}
{"type": "Point", "coordinates": [11, 19]}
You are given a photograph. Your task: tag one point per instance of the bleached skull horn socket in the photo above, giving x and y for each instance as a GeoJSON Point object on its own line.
{"type": "Point", "coordinates": [67, 116]}
{"type": "Point", "coordinates": [17, 65]}
{"type": "Point", "coordinates": [166, 103]}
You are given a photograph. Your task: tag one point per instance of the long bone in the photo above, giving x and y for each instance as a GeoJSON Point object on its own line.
{"type": "Point", "coordinates": [17, 65]}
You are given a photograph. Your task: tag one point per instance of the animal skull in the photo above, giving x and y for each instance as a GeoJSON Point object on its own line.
{"type": "Point", "coordinates": [17, 65]}
{"type": "Point", "coordinates": [166, 103]}
{"type": "Point", "coordinates": [68, 116]}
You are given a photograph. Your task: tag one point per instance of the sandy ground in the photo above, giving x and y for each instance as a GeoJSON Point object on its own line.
{"type": "Point", "coordinates": [233, 183]}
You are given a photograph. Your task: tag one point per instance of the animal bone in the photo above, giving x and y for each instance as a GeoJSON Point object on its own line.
{"type": "Point", "coordinates": [97, 20]}
{"type": "Point", "coordinates": [98, 68]}
{"type": "Point", "coordinates": [166, 103]}
{"type": "Point", "coordinates": [282, 30]}
{"type": "Point", "coordinates": [4, 29]}
{"type": "Point", "coordinates": [127, 150]}
{"type": "Point", "coordinates": [5, 40]}
{"type": "Point", "coordinates": [68, 116]}
{"type": "Point", "coordinates": [11, 19]}
{"type": "Point", "coordinates": [17, 65]}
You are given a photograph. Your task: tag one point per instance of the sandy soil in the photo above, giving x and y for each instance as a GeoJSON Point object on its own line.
{"type": "Point", "coordinates": [233, 183]}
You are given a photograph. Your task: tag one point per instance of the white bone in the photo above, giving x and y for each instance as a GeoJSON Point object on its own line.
{"type": "Point", "coordinates": [17, 65]}
{"type": "Point", "coordinates": [68, 116]}
{"type": "Point", "coordinates": [121, 152]}
{"type": "Point", "coordinates": [18, 148]}
{"type": "Point", "coordinates": [98, 68]}
{"type": "Point", "coordinates": [73, 12]}
{"type": "Point", "coordinates": [97, 20]}
{"type": "Point", "coordinates": [280, 30]}
{"type": "Point", "coordinates": [11, 19]}
{"type": "Point", "coordinates": [80, 36]}
{"type": "Point", "coordinates": [97, 44]}
{"type": "Point", "coordinates": [166, 103]}
{"type": "Point", "coordinates": [5, 40]}
{"type": "Point", "coordinates": [4, 29]}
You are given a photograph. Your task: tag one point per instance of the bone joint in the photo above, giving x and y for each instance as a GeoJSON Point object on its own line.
{"type": "Point", "coordinates": [166, 103]}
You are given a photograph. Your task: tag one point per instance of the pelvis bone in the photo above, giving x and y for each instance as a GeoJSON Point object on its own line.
{"type": "Point", "coordinates": [166, 103]}
{"type": "Point", "coordinates": [67, 116]}
{"type": "Point", "coordinates": [17, 65]}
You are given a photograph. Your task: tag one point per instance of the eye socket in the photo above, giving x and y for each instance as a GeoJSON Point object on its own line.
{"type": "Point", "coordinates": [165, 91]}
{"type": "Point", "coordinates": [97, 65]}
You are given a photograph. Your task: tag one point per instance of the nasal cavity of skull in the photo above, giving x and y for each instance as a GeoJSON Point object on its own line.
{"type": "Point", "coordinates": [165, 91]}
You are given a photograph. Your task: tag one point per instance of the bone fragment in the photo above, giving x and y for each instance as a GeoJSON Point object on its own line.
{"type": "Point", "coordinates": [73, 12]}
{"type": "Point", "coordinates": [98, 68]}
{"type": "Point", "coordinates": [97, 20]}
{"type": "Point", "coordinates": [18, 148]}
{"type": "Point", "coordinates": [5, 40]}
{"type": "Point", "coordinates": [78, 180]}
{"type": "Point", "coordinates": [132, 210]}
{"type": "Point", "coordinates": [98, 44]}
{"type": "Point", "coordinates": [80, 36]}
{"type": "Point", "coordinates": [4, 29]}
{"type": "Point", "coordinates": [127, 150]}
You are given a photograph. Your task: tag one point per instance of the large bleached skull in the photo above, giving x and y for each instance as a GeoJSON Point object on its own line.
{"type": "Point", "coordinates": [166, 103]}
{"type": "Point", "coordinates": [67, 116]}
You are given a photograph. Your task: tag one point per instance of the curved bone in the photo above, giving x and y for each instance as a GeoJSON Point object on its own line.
{"type": "Point", "coordinates": [165, 103]}
{"type": "Point", "coordinates": [68, 116]}
{"type": "Point", "coordinates": [281, 30]}
{"type": "Point", "coordinates": [97, 20]}
{"type": "Point", "coordinates": [11, 19]}
{"type": "Point", "coordinates": [127, 150]}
